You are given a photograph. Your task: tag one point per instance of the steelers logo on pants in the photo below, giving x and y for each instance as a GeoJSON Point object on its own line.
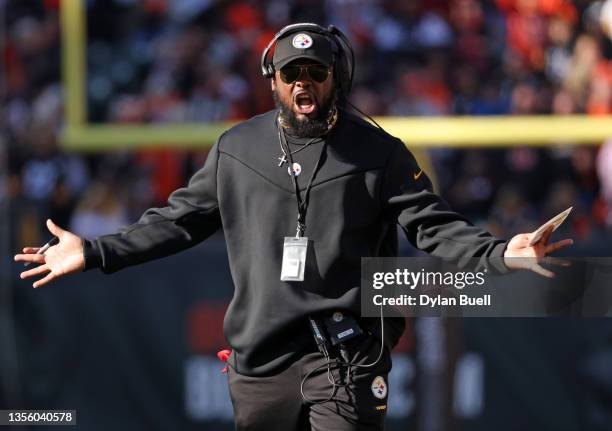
{"type": "Point", "coordinates": [379, 387]}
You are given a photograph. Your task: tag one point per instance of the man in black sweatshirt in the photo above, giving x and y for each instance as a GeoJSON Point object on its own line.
{"type": "Point", "coordinates": [354, 184]}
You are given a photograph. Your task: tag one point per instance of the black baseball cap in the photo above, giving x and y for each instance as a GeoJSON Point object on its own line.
{"type": "Point", "coordinates": [303, 44]}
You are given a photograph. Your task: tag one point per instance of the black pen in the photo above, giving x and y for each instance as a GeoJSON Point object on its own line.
{"type": "Point", "coordinates": [45, 247]}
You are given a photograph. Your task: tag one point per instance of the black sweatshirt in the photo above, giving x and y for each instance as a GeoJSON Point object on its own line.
{"type": "Point", "coordinates": [368, 182]}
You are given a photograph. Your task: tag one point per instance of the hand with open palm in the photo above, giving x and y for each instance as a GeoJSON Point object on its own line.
{"type": "Point", "coordinates": [66, 257]}
{"type": "Point", "coordinates": [520, 255]}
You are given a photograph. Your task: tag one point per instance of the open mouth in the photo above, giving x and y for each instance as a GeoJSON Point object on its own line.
{"type": "Point", "coordinates": [304, 103]}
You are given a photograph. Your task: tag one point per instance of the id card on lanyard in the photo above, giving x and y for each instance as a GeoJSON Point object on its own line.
{"type": "Point", "coordinates": [294, 258]}
{"type": "Point", "coordinates": [295, 247]}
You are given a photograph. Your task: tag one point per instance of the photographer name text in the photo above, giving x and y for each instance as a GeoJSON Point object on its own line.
{"type": "Point", "coordinates": [433, 301]}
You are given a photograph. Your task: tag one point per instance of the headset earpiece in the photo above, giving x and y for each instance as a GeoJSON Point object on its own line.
{"type": "Point", "coordinates": [269, 71]}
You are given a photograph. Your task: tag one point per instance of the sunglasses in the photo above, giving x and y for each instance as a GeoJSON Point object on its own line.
{"type": "Point", "coordinates": [316, 72]}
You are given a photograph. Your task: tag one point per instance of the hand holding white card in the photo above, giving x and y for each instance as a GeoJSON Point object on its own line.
{"type": "Point", "coordinates": [529, 250]}
{"type": "Point", "coordinates": [555, 222]}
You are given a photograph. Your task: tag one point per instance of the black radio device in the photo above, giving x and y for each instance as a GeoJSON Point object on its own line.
{"type": "Point", "coordinates": [333, 329]}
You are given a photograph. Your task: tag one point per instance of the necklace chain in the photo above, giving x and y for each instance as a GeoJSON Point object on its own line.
{"type": "Point", "coordinates": [332, 118]}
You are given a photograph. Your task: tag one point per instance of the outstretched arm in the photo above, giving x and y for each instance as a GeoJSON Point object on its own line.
{"type": "Point", "coordinates": [431, 225]}
{"type": "Point", "coordinates": [192, 215]}
{"type": "Point", "coordinates": [428, 221]}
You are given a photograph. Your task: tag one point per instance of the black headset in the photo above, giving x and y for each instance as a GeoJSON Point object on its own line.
{"type": "Point", "coordinates": [344, 56]}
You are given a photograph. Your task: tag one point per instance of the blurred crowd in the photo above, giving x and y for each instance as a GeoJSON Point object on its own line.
{"type": "Point", "coordinates": [162, 61]}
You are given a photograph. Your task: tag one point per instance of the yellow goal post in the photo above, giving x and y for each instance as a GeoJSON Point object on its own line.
{"type": "Point", "coordinates": [79, 135]}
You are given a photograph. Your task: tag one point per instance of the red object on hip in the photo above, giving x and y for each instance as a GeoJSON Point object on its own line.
{"type": "Point", "coordinates": [223, 356]}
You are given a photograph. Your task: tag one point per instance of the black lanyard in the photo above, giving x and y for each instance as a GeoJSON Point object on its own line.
{"type": "Point", "coordinates": [302, 204]}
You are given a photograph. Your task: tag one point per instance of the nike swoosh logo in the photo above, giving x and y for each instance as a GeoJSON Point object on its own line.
{"type": "Point", "coordinates": [416, 176]}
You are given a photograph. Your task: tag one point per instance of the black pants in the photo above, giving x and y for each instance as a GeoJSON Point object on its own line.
{"type": "Point", "coordinates": [275, 402]}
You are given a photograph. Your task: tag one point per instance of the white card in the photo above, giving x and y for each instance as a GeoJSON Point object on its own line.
{"type": "Point", "coordinates": [294, 258]}
{"type": "Point", "coordinates": [291, 268]}
{"type": "Point", "coordinates": [555, 222]}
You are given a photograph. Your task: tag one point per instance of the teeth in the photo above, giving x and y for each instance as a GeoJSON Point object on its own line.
{"type": "Point", "coordinates": [303, 99]}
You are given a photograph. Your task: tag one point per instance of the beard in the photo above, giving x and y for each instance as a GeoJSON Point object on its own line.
{"type": "Point", "coordinates": [308, 127]}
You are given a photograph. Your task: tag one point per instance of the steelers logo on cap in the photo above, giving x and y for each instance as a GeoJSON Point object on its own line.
{"type": "Point", "coordinates": [302, 41]}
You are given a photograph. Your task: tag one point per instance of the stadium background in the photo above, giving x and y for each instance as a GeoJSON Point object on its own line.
{"type": "Point", "coordinates": [108, 106]}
